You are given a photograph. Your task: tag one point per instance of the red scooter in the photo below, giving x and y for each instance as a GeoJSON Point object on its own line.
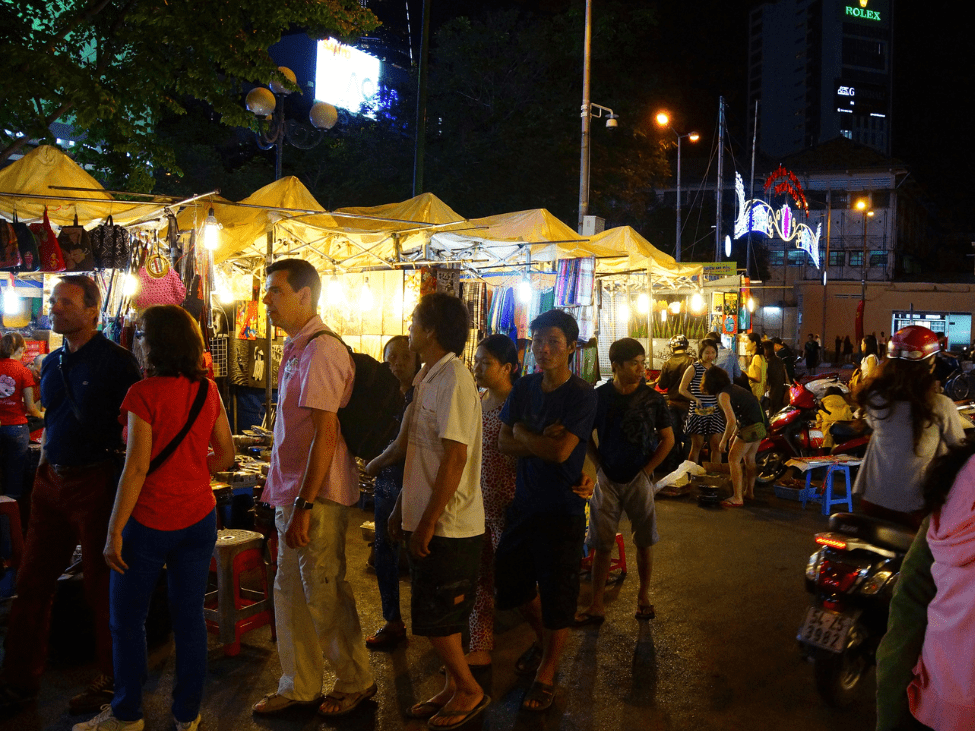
{"type": "Point", "coordinates": [794, 432]}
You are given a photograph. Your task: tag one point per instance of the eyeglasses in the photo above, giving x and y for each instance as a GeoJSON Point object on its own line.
{"type": "Point", "coordinates": [139, 334]}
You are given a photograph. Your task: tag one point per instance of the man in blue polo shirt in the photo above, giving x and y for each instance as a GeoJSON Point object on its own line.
{"type": "Point", "coordinates": [83, 384]}
{"type": "Point", "coordinates": [546, 422]}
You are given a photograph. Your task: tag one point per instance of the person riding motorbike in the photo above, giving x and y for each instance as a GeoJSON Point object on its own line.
{"type": "Point", "coordinates": [912, 424]}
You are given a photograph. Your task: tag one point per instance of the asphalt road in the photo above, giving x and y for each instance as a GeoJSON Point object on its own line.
{"type": "Point", "coordinates": [720, 655]}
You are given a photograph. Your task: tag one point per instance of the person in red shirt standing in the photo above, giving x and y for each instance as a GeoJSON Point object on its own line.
{"type": "Point", "coordinates": [16, 402]}
{"type": "Point", "coordinates": [164, 514]}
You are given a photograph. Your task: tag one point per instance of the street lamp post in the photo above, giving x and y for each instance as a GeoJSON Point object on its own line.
{"type": "Point", "coordinates": [663, 119]}
{"type": "Point", "coordinates": [269, 104]}
{"type": "Point", "coordinates": [863, 205]}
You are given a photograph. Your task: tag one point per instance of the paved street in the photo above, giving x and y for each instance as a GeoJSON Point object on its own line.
{"type": "Point", "coordinates": [721, 654]}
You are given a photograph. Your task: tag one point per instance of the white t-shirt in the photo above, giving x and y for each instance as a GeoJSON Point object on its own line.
{"type": "Point", "coordinates": [445, 406]}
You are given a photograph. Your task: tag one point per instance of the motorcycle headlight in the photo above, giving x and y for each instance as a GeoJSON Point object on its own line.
{"type": "Point", "coordinates": [812, 567]}
{"type": "Point", "coordinates": [875, 583]}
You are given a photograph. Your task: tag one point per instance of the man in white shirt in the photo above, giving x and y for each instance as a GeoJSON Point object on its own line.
{"type": "Point", "coordinates": [440, 511]}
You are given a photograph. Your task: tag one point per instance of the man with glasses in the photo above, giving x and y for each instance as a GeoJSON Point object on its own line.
{"type": "Point", "coordinates": [633, 426]}
{"type": "Point", "coordinates": [83, 384]}
{"type": "Point", "coordinates": [546, 422]}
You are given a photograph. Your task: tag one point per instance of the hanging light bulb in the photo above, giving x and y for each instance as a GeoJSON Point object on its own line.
{"type": "Point", "coordinates": [663, 315]}
{"type": "Point", "coordinates": [211, 231]}
{"type": "Point", "coordinates": [727, 246]}
{"type": "Point", "coordinates": [751, 304]}
{"type": "Point", "coordinates": [643, 303]}
{"type": "Point", "coordinates": [130, 285]}
{"type": "Point", "coordinates": [624, 313]}
{"type": "Point", "coordinates": [365, 297]}
{"type": "Point", "coordinates": [12, 302]}
{"type": "Point", "coordinates": [674, 307]}
{"type": "Point", "coordinates": [525, 290]}
{"type": "Point", "coordinates": [334, 290]}
{"type": "Point", "coordinates": [697, 302]}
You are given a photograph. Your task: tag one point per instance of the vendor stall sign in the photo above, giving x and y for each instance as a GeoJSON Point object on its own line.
{"type": "Point", "coordinates": [757, 216]}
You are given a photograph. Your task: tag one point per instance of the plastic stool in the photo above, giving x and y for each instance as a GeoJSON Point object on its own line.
{"type": "Point", "coordinates": [11, 509]}
{"type": "Point", "coordinates": [238, 610]}
{"type": "Point", "coordinates": [615, 564]}
{"type": "Point", "coordinates": [827, 498]}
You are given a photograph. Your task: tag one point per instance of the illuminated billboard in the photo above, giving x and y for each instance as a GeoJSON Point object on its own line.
{"type": "Point", "coordinates": [345, 76]}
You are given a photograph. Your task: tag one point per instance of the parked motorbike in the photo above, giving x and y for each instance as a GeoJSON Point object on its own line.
{"type": "Point", "coordinates": [793, 431]}
{"type": "Point", "coordinates": [851, 579]}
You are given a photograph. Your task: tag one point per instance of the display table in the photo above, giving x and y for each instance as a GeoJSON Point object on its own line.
{"type": "Point", "coordinates": [838, 464]}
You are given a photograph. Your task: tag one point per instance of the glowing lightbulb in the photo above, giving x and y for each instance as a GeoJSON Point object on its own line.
{"type": "Point", "coordinates": [643, 303]}
{"type": "Point", "coordinates": [12, 302]}
{"type": "Point", "coordinates": [663, 315]}
{"type": "Point", "coordinates": [365, 297]}
{"type": "Point", "coordinates": [674, 307]}
{"type": "Point", "coordinates": [624, 313]}
{"type": "Point", "coordinates": [751, 304]}
{"type": "Point", "coordinates": [225, 294]}
{"type": "Point", "coordinates": [727, 246]}
{"type": "Point", "coordinates": [697, 302]}
{"type": "Point", "coordinates": [334, 291]}
{"type": "Point", "coordinates": [211, 231]}
{"type": "Point", "coordinates": [409, 301]}
{"type": "Point", "coordinates": [130, 286]}
{"type": "Point", "coordinates": [525, 290]}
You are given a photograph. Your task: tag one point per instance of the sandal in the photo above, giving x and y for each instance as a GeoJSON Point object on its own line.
{"type": "Point", "coordinates": [386, 638]}
{"type": "Point", "coordinates": [423, 711]}
{"type": "Point", "coordinates": [584, 619]}
{"type": "Point", "coordinates": [346, 702]}
{"type": "Point", "coordinates": [645, 611]}
{"type": "Point", "coordinates": [542, 694]}
{"type": "Point", "coordinates": [462, 716]}
{"type": "Point", "coordinates": [529, 660]}
{"type": "Point", "coordinates": [273, 703]}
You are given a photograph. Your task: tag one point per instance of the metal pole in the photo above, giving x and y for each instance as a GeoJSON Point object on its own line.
{"type": "Point", "coordinates": [279, 144]}
{"type": "Point", "coordinates": [421, 103]}
{"type": "Point", "coordinates": [720, 186]}
{"type": "Point", "coordinates": [751, 194]}
{"type": "Point", "coordinates": [586, 120]}
{"type": "Point", "coordinates": [863, 270]}
{"type": "Point", "coordinates": [268, 361]}
{"type": "Point", "coordinates": [677, 251]}
{"type": "Point", "coordinates": [829, 220]}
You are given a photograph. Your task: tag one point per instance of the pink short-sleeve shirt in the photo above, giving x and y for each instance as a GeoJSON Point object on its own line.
{"type": "Point", "coordinates": [315, 373]}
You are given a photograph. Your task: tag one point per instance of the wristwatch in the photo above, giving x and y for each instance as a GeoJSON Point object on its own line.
{"type": "Point", "coordinates": [303, 504]}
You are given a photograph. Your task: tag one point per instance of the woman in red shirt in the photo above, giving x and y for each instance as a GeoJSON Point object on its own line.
{"type": "Point", "coordinates": [16, 402]}
{"type": "Point", "coordinates": [164, 515]}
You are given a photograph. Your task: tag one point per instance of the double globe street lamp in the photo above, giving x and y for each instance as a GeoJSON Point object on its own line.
{"type": "Point", "coordinates": [663, 119]}
{"type": "Point", "coordinates": [268, 104]}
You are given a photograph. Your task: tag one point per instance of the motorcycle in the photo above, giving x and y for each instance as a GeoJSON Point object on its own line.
{"type": "Point", "coordinates": [851, 578]}
{"type": "Point", "coordinates": [793, 431]}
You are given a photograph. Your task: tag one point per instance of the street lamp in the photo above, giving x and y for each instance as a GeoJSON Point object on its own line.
{"type": "Point", "coordinates": [663, 120]}
{"type": "Point", "coordinates": [863, 205]}
{"type": "Point", "coordinates": [269, 105]}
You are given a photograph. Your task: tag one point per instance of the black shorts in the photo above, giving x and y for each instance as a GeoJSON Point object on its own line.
{"type": "Point", "coordinates": [444, 584]}
{"type": "Point", "coordinates": [545, 551]}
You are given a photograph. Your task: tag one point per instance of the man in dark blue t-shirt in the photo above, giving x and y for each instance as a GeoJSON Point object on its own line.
{"type": "Point", "coordinates": [546, 423]}
{"type": "Point", "coordinates": [633, 426]}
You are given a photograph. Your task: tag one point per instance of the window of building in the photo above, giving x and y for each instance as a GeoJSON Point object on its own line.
{"type": "Point", "coordinates": [776, 258]}
{"type": "Point", "coordinates": [878, 259]}
{"type": "Point", "coordinates": [856, 258]}
{"type": "Point", "coordinates": [836, 258]}
{"type": "Point", "coordinates": [797, 258]}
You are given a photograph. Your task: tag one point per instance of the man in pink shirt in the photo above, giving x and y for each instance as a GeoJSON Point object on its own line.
{"type": "Point", "coordinates": [312, 484]}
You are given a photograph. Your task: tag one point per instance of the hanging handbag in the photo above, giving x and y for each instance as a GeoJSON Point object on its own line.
{"type": "Point", "coordinates": [75, 245]}
{"type": "Point", "coordinates": [159, 284]}
{"type": "Point", "coordinates": [27, 244]}
{"type": "Point", "coordinates": [51, 259]}
{"type": "Point", "coordinates": [9, 247]}
{"type": "Point", "coordinates": [109, 245]}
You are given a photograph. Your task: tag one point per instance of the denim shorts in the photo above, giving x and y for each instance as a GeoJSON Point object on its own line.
{"type": "Point", "coordinates": [443, 586]}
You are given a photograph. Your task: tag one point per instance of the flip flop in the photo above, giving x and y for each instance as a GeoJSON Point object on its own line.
{"type": "Point", "coordinates": [542, 693]}
{"type": "Point", "coordinates": [726, 504]}
{"type": "Point", "coordinates": [583, 619]}
{"type": "Point", "coordinates": [464, 716]}
{"type": "Point", "coordinates": [645, 611]}
{"type": "Point", "coordinates": [530, 660]}
{"type": "Point", "coordinates": [423, 711]}
{"type": "Point", "coordinates": [347, 702]}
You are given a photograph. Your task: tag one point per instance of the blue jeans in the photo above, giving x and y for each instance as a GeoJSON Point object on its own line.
{"type": "Point", "coordinates": [186, 554]}
{"type": "Point", "coordinates": [387, 552]}
{"type": "Point", "coordinates": [14, 448]}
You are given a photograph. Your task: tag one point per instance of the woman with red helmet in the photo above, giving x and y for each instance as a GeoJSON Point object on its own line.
{"type": "Point", "coordinates": [912, 424]}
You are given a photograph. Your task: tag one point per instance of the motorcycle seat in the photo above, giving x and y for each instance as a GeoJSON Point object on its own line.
{"type": "Point", "coordinates": [891, 536]}
{"type": "Point", "coordinates": [844, 431]}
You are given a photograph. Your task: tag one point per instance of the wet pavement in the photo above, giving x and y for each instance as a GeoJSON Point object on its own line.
{"type": "Point", "coordinates": [721, 654]}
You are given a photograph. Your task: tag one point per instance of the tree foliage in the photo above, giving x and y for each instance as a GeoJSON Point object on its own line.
{"type": "Point", "coordinates": [113, 67]}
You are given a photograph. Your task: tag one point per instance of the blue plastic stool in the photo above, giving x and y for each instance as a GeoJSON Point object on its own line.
{"type": "Point", "coordinates": [810, 493]}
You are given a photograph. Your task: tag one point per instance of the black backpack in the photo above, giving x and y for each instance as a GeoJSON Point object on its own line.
{"type": "Point", "coordinates": [370, 421]}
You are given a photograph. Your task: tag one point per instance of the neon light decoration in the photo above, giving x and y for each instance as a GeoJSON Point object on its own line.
{"type": "Point", "coordinates": [759, 217]}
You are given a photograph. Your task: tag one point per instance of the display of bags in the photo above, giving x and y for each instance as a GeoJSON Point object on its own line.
{"type": "Point", "coordinates": [159, 284]}
{"type": "Point", "coordinates": [9, 247]}
{"type": "Point", "coordinates": [110, 246]}
{"type": "Point", "coordinates": [29, 257]}
{"type": "Point", "coordinates": [51, 259]}
{"type": "Point", "coordinates": [75, 245]}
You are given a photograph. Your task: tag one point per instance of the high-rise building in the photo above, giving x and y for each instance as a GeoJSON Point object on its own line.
{"type": "Point", "coordinates": [820, 69]}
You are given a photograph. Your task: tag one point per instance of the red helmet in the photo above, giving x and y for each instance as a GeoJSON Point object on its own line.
{"type": "Point", "coordinates": [913, 343]}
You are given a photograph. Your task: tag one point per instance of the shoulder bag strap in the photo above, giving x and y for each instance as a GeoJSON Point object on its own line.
{"type": "Point", "coordinates": [166, 453]}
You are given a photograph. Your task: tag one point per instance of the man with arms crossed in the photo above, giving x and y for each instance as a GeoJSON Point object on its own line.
{"type": "Point", "coordinates": [312, 484]}
{"type": "Point", "coordinates": [635, 435]}
{"type": "Point", "coordinates": [546, 423]}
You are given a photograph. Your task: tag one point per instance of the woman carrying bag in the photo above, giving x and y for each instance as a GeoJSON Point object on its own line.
{"type": "Point", "coordinates": [164, 514]}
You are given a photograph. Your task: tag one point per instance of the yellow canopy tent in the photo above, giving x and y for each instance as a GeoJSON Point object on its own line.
{"type": "Point", "coordinates": [38, 180]}
{"type": "Point", "coordinates": [641, 255]}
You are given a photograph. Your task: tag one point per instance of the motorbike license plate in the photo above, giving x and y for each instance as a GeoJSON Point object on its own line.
{"type": "Point", "coordinates": [827, 630]}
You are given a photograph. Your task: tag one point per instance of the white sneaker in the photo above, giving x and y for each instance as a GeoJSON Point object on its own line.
{"type": "Point", "coordinates": [193, 725]}
{"type": "Point", "coordinates": [105, 721]}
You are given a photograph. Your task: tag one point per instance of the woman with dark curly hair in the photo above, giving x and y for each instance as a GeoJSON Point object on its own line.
{"type": "Point", "coordinates": [165, 514]}
{"type": "Point", "coordinates": [912, 424]}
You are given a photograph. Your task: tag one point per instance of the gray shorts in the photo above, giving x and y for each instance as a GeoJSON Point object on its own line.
{"type": "Point", "coordinates": [607, 504]}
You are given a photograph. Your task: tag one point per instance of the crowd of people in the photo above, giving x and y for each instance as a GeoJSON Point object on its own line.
{"type": "Point", "coordinates": [485, 491]}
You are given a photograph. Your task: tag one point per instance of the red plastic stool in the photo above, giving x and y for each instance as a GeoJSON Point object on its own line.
{"type": "Point", "coordinates": [231, 610]}
{"type": "Point", "coordinates": [11, 508]}
{"type": "Point", "coordinates": [615, 564]}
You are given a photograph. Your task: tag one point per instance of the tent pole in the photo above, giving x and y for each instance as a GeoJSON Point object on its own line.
{"type": "Point", "coordinates": [269, 362]}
